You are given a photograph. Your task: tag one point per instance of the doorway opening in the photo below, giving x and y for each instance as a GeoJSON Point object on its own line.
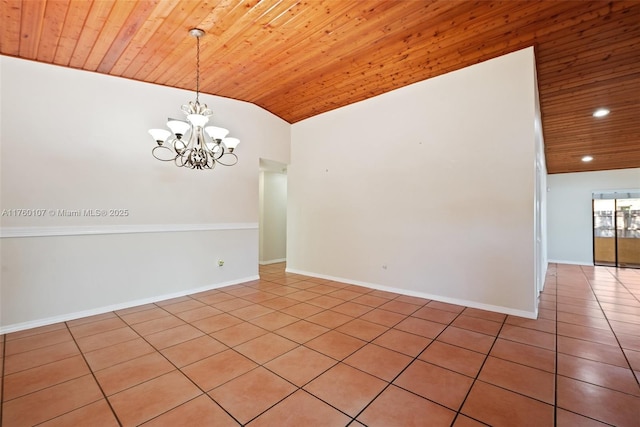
{"type": "Point", "coordinates": [273, 212]}
{"type": "Point", "coordinates": [616, 229]}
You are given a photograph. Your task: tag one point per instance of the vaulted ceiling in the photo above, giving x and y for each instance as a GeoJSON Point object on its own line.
{"type": "Point", "coordinates": [299, 58]}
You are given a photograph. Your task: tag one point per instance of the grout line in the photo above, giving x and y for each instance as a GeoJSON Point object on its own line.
{"type": "Point", "coordinates": [557, 353]}
{"type": "Point", "coordinates": [31, 336]}
{"type": "Point", "coordinates": [119, 316]}
{"type": "Point", "coordinates": [434, 339]}
{"type": "Point", "coordinates": [475, 379]}
{"type": "Point", "coordinates": [4, 352]}
{"type": "Point", "coordinates": [555, 369]}
{"type": "Point", "coordinates": [353, 419]}
{"type": "Point", "coordinates": [390, 383]}
{"type": "Point", "coordinates": [337, 362]}
{"type": "Point", "coordinates": [262, 364]}
{"type": "Point", "coordinates": [94, 377]}
{"type": "Point", "coordinates": [612, 330]}
{"type": "Point", "coordinates": [176, 367]}
{"type": "Point", "coordinates": [637, 298]}
{"type": "Point", "coordinates": [156, 350]}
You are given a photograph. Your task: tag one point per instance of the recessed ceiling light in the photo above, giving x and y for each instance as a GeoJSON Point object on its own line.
{"type": "Point", "coordinates": [601, 112]}
{"type": "Point", "coordinates": [587, 158]}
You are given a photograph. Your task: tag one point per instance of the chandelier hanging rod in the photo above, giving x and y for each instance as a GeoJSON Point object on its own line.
{"type": "Point", "coordinates": [189, 143]}
{"type": "Point", "coordinates": [197, 33]}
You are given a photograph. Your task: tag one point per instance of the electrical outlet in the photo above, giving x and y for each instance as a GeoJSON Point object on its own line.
{"type": "Point", "coordinates": [220, 263]}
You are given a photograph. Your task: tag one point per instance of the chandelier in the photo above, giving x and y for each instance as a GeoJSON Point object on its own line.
{"type": "Point", "coordinates": [189, 143]}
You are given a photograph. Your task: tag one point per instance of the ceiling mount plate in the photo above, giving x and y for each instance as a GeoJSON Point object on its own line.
{"type": "Point", "coordinates": [196, 32]}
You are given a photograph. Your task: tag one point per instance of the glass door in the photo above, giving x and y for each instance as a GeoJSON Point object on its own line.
{"type": "Point", "coordinates": [604, 232]}
{"type": "Point", "coordinates": [628, 232]}
{"type": "Point", "coordinates": [616, 229]}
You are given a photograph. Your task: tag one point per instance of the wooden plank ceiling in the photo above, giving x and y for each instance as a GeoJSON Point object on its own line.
{"type": "Point", "coordinates": [299, 58]}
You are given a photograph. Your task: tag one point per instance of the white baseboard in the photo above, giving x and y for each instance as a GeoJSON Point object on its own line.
{"type": "Point", "coordinates": [272, 261]}
{"type": "Point", "coordinates": [556, 261]}
{"type": "Point", "coordinates": [466, 303]}
{"type": "Point", "coordinates": [106, 309]}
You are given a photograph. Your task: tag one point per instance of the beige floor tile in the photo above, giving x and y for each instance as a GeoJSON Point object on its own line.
{"type": "Point", "coordinates": [41, 356]}
{"type": "Point", "coordinates": [193, 350]}
{"type": "Point", "coordinates": [50, 402]}
{"type": "Point", "coordinates": [218, 369]}
{"type": "Point", "coordinates": [250, 394]}
{"type": "Point", "coordinates": [291, 350]}
{"type": "Point", "coordinates": [403, 342]}
{"type": "Point", "coordinates": [145, 401]}
{"type": "Point", "coordinates": [335, 344]}
{"type": "Point", "coordinates": [266, 347]}
{"type": "Point", "coordinates": [94, 414]}
{"type": "Point", "coordinates": [498, 407]}
{"type": "Point", "coordinates": [301, 409]}
{"type": "Point", "coordinates": [522, 379]}
{"type": "Point", "coordinates": [455, 358]}
{"type": "Point", "coordinates": [201, 411]}
{"type": "Point", "coordinates": [398, 407]}
{"type": "Point", "coordinates": [379, 361]}
{"type": "Point", "coordinates": [43, 376]}
{"type": "Point", "coordinates": [437, 384]}
{"type": "Point", "coordinates": [300, 365]}
{"type": "Point", "coordinates": [346, 388]}
{"type": "Point", "coordinates": [132, 372]}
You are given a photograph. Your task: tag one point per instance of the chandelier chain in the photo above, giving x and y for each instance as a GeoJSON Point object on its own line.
{"type": "Point", "coordinates": [197, 70]}
{"type": "Point", "coordinates": [190, 143]}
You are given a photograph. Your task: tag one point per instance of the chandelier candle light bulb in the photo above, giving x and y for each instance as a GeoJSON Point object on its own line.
{"type": "Point", "coordinates": [189, 143]}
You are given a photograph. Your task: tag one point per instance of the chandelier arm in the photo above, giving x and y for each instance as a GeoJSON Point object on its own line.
{"type": "Point", "coordinates": [211, 162]}
{"type": "Point", "coordinates": [234, 161]}
{"type": "Point", "coordinates": [188, 146]}
{"type": "Point", "coordinates": [179, 146]}
{"type": "Point", "coordinates": [180, 160]}
{"type": "Point", "coordinates": [216, 154]}
{"type": "Point", "coordinates": [161, 148]}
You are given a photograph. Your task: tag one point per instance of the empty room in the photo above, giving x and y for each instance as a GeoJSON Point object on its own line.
{"type": "Point", "coordinates": [319, 213]}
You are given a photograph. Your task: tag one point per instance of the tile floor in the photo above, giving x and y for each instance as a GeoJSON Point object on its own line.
{"type": "Point", "coordinates": [289, 350]}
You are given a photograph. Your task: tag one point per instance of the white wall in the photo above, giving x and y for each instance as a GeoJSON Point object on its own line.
{"type": "Point", "coordinates": [273, 217]}
{"type": "Point", "coordinates": [540, 213]}
{"type": "Point", "coordinates": [77, 140]}
{"type": "Point", "coordinates": [570, 222]}
{"type": "Point", "coordinates": [428, 189]}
